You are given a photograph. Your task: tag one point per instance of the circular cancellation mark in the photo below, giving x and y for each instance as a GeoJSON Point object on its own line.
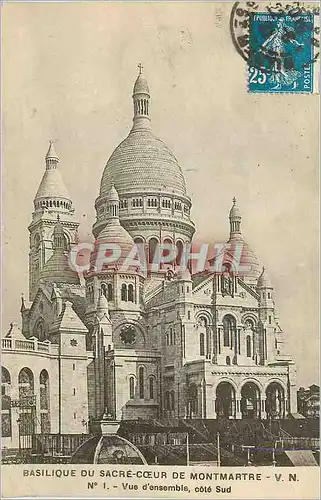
{"type": "Point", "coordinates": [240, 22]}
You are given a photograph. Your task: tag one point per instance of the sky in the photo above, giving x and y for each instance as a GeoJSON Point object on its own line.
{"type": "Point", "coordinates": [67, 75]}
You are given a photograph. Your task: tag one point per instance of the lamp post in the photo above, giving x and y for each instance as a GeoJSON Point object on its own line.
{"type": "Point", "coordinates": [273, 455]}
{"type": "Point", "coordinates": [248, 448]}
{"type": "Point", "coordinates": [187, 449]}
{"type": "Point", "coordinates": [218, 450]}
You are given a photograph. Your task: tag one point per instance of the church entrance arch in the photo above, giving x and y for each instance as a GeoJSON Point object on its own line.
{"type": "Point", "coordinates": [250, 400]}
{"type": "Point", "coordinates": [275, 401]}
{"type": "Point", "coordinates": [225, 400]}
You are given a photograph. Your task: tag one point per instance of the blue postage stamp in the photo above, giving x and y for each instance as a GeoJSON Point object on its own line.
{"type": "Point", "coordinates": [281, 53]}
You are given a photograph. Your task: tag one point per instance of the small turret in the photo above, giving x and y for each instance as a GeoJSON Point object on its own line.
{"type": "Point", "coordinates": [51, 201]}
{"type": "Point", "coordinates": [52, 193]}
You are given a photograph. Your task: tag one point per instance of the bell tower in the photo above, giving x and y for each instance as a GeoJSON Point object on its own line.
{"type": "Point", "coordinates": [52, 201]}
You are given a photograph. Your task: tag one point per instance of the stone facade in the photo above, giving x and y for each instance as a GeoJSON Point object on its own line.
{"type": "Point", "coordinates": [133, 343]}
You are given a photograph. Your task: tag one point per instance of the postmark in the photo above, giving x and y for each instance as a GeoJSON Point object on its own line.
{"type": "Point", "coordinates": [280, 42]}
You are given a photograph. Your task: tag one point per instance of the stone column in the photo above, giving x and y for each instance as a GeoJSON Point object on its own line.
{"type": "Point", "coordinates": [37, 408]}
{"type": "Point", "coordinates": [292, 396]}
{"type": "Point", "coordinates": [233, 406]}
{"type": "Point", "coordinates": [210, 402]}
{"type": "Point", "coordinates": [263, 408]}
{"type": "Point", "coordinates": [200, 401]}
{"type": "Point", "coordinates": [14, 394]}
{"type": "Point", "coordinates": [214, 407]}
{"type": "Point", "coordinates": [238, 413]}
{"type": "Point", "coordinates": [219, 340]}
{"type": "Point", "coordinates": [203, 397]}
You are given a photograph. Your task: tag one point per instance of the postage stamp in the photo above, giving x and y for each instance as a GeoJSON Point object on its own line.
{"type": "Point", "coordinates": [281, 53]}
{"type": "Point", "coordinates": [280, 43]}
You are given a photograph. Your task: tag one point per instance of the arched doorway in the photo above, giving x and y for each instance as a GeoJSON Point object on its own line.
{"type": "Point", "coordinates": [225, 400]}
{"type": "Point", "coordinates": [250, 400]}
{"type": "Point", "coordinates": [275, 401]}
{"type": "Point", "coordinates": [27, 412]}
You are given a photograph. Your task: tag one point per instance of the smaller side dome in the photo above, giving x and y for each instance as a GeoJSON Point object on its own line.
{"type": "Point", "coordinates": [264, 280]}
{"type": "Point", "coordinates": [120, 242]}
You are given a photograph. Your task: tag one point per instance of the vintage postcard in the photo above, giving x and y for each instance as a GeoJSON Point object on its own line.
{"type": "Point", "coordinates": [160, 328]}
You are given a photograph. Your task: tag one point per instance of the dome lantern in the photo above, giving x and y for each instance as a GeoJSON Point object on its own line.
{"type": "Point", "coordinates": [51, 157]}
{"type": "Point", "coordinates": [113, 203]}
{"type": "Point", "coordinates": [235, 219]}
{"type": "Point", "coordinates": [141, 99]}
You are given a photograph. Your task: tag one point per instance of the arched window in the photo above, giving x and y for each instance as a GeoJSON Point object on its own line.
{"type": "Point", "coordinates": [44, 402]}
{"type": "Point", "coordinates": [203, 321]}
{"type": "Point", "coordinates": [26, 383]}
{"type": "Point", "coordinates": [202, 344]}
{"type": "Point", "coordinates": [131, 293]}
{"type": "Point", "coordinates": [248, 346]}
{"type": "Point", "coordinates": [124, 292]}
{"type": "Point", "coordinates": [179, 247]}
{"type": "Point", "coordinates": [152, 249]}
{"type": "Point", "coordinates": [171, 336]}
{"type": "Point", "coordinates": [192, 399]}
{"type": "Point", "coordinates": [5, 403]}
{"type": "Point", "coordinates": [139, 242]}
{"type": "Point", "coordinates": [27, 416]}
{"type": "Point", "coordinates": [39, 330]}
{"type": "Point", "coordinates": [228, 360]}
{"type": "Point", "coordinates": [141, 382]}
{"type": "Point", "coordinates": [167, 250]}
{"type": "Point", "coordinates": [131, 387]}
{"type": "Point", "coordinates": [90, 293]}
{"type": "Point", "coordinates": [229, 330]}
{"type": "Point", "coordinates": [151, 388]}
{"type": "Point", "coordinates": [109, 292]}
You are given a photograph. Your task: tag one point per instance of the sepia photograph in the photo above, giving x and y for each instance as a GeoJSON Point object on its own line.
{"type": "Point", "coordinates": [160, 248]}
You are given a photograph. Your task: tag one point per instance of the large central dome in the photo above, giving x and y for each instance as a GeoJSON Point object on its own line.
{"type": "Point", "coordinates": [153, 203]}
{"type": "Point", "coordinates": [142, 162]}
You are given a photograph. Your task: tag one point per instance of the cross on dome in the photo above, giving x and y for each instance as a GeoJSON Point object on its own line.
{"type": "Point", "coordinates": [140, 67]}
